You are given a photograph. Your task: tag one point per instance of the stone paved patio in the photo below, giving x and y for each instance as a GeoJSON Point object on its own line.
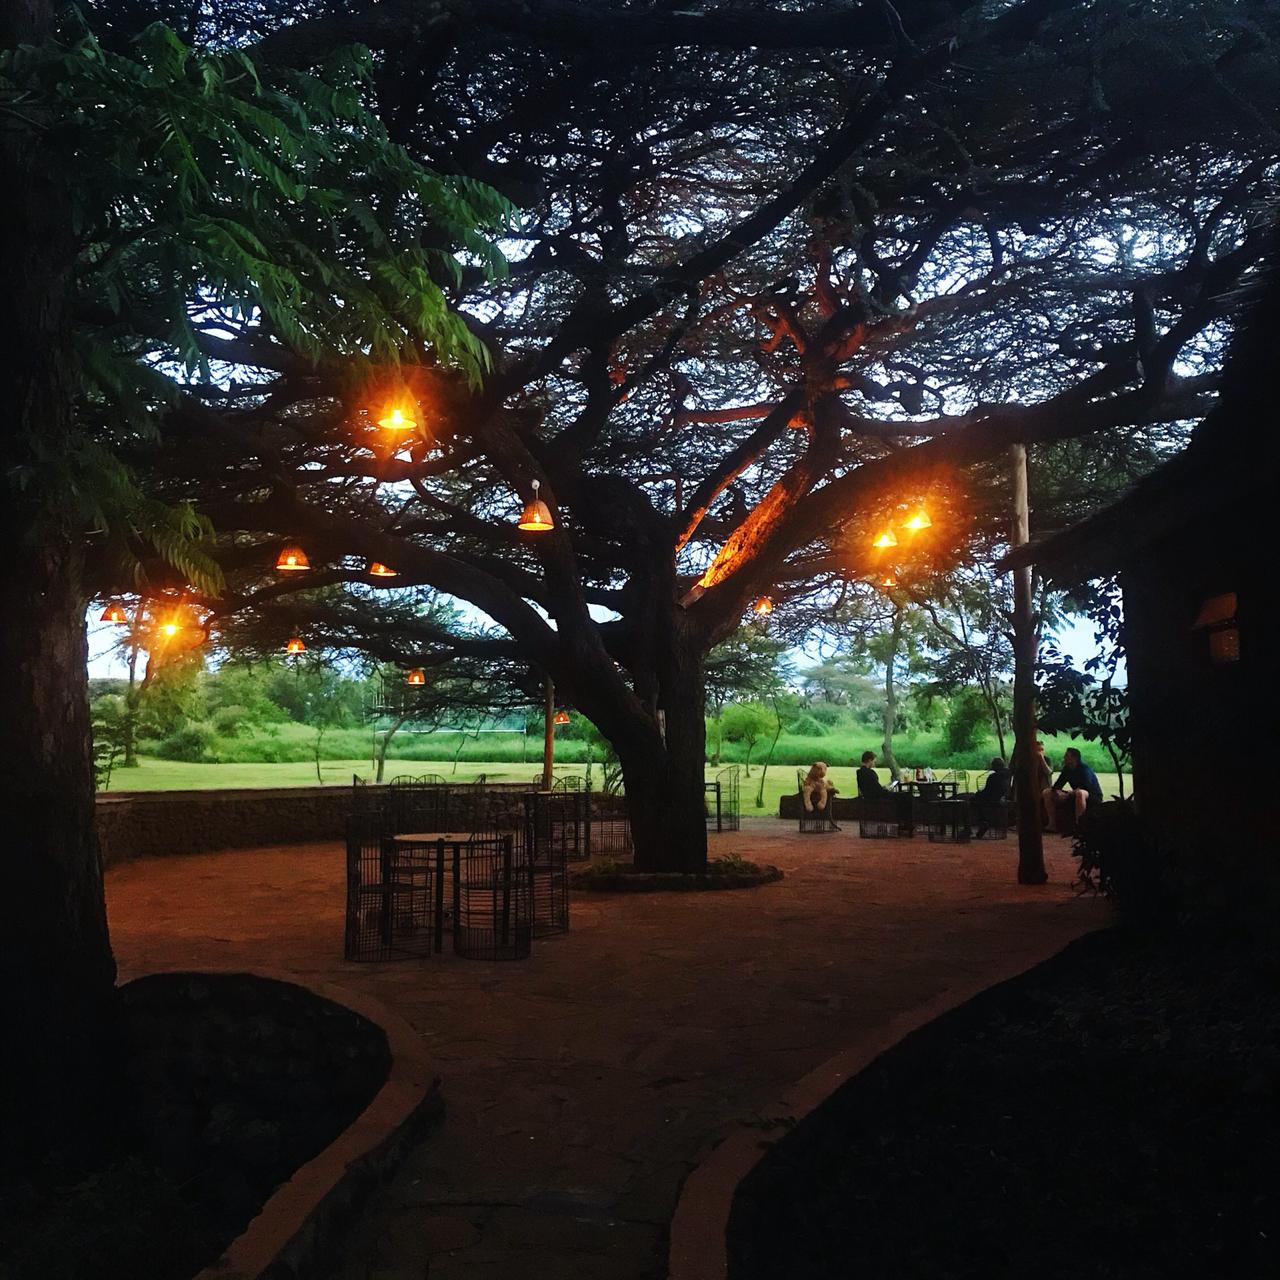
{"type": "Point", "coordinates": [584, 1084]}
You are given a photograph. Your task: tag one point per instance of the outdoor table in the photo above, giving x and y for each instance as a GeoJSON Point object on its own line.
{"type": "Point", "coordinates": [422, 852]}
{"type": "Point", "coordinates": [947, 790]}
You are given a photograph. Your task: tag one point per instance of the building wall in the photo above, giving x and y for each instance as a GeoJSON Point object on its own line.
{"type": "Point", "coordinates": [1205, 732]}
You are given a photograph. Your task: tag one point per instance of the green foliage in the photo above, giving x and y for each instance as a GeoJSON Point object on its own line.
{"type": "Point", "coordinates": [966, 720]}
{"type": "Point", "coordinates": [807, 726]}
{"type": "Point", "coordinates": [748, 724]}
{"type": "Point", "coordinates": [189, 742]}
{"type": "Point", "coordinates": [204, 187]}
{"type": "Point", "coordinates": [107, 719]}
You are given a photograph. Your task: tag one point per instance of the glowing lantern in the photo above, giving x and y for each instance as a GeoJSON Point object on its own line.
{"type": "Point", "coordinates": [416, 677]}
{"type": "Point", "coordinates": [884, 539]}
{"type": "Point", "coordinates": [763, 606]}
{"type": "Point", "coordinates": [561, 717]}
{"type": "Point", "coordinates": [379, 570]}
{"type": "Point", "coordinates": [398, 420]}
{"type": "Point", "coordinates": [170, 629]}
{"type": "Point", "coordinates": [919, 519]}
{"type": "Point", "coordinates": [295, 646]}
{"type": "Point", "coordinates": [114, 612]}
{"type": "Point", "coordinates": [292, 559]}
{"type": "Point", "coordinates": [888, 582]}
{"type": "Point", "coordinates": [537, 515]}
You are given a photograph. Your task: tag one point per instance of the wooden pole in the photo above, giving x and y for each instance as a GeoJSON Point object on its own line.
{"type": "Point", "coordinates": [548, 734]}
{"type": "Point", "coordinates": [1025, 646]}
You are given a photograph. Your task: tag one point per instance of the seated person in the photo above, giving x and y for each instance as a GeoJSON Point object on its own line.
{"type": "Point", "coordinates": [869, 785]}
{"type": "Point", "coordinates": [816, 790]}
{"type": "Point", "coordinates": [992, 797]}
{"type": "Point", "coordinates": [1084, 785]}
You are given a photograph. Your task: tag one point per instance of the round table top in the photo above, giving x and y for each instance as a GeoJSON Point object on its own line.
{"type": "Point", "coordinates": [431, 837]}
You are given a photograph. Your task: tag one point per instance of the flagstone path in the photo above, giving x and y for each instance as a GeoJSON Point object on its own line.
{"type": "Point", "coordinates": [584, 1084]}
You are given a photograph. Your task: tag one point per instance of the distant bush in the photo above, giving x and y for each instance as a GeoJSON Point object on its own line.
{"type": "Point", "coordinates": [828, 714]}
{"type": "Point", "coordinates": [189, 742]}
{"type": "Point", "coordinates": [966, 721]}
{"type": "Point", "coordinates": [229, 722]}
{"type": "Point", "coordinates": [807, 726]}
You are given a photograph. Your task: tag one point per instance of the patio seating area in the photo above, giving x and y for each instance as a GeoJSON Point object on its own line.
{"type": "Point", "coordinates": [583, 1084]}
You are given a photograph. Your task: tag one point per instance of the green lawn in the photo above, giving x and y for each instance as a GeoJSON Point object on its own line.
{"type": "Point", "coordinates": [171, 775]}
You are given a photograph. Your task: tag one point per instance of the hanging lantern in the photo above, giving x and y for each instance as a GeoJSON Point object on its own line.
{"type": "Point", "coordinates": [561, 717]}
{"type": "Point", "coordinates": [416, 677]}
{"type": "Point", "coordinates": [884, 539]}
{"type": "Point", "coordinates": [888, 582]}
{"type": "Point", "coordinates": [763, 606]}
{"type": "Point", "coordinates": [169, 629]}
{"type": "Point", "coordinates": [537, 515]}
{"type": "Point", "coordinates": [292, 559]}
{"type": "Point", "coordinates": [114, 612]}
{"type": "Point", "coordinates": [919, 519]}
{"type": "Point", "coordinates": [377, 569]}
{"type": "Point", "coordinates": [398, 420]}
{"type": "Point", "coordinates": [295, 645]}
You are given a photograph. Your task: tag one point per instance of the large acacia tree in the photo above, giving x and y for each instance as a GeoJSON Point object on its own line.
{"type": "Point", "coordinates": [804, 268]}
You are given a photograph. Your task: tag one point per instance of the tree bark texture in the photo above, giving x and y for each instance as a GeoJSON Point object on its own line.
{"type": "Point", "coordinates": [1031, 869]}
{"type": "Point", "coordinates": [58, 1047]}
{"type": "Point", "coordinates": [664, 766]}
{"type": "Point", "coordinates": [548, 735]}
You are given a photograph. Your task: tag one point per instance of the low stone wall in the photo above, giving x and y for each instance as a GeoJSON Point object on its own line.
{"type": "Point", "coordinates": [140, 824]}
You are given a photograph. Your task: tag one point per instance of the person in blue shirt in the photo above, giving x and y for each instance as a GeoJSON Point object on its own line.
{"type": "Point", "coordinates": [1084, 784]}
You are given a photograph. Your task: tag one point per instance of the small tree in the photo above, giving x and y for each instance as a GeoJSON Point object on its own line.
{"type": "Point", "coordinates": [748, 723]}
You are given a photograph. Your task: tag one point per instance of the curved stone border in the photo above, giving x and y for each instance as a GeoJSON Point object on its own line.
{"type": "Point", "coordinates": [304, 1215]}
{"type": "Point", "coordinates": [671, 881]}
{"type": "Point", "coordinates": [697, 1241]}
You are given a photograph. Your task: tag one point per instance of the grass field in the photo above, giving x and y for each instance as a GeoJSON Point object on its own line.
{"type": "Point", "coordinates": [172, 775]}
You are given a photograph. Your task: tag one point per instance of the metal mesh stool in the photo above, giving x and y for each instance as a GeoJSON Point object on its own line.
{"type": "Point", "coordinates": [552, 829]}
{"type": "Point", "coordinates": [881, 817]}
{"type": "Point", "coordinates": [392, 910]}
{"type": "Point", "coordinates": [946, 821]}
{"type": "Point", "coordinates": [990, 820]}
{"type": "Point", "coordinates": [493, 899]}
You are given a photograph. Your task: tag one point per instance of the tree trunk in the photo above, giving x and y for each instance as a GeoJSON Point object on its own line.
{"type": "Point", "coordinates": [1031, 869]}
{"type": "Point", "coordinates": [59, 1054]}
{"type": "Point", "coordinates": [548, 734]}
{"type": "Point", "coordinates": [130, 735]}
{"type": "Point", "coordinates": [891, 697]}
{"type": "Point", "coordinates": [665, 771]}
{"type": "Point", "coordinates": [380, 753]}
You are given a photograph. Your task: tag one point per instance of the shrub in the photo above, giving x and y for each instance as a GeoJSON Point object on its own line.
{"type": "Point", "coordinates": [966, 721]}
{"type": "Point", "coordinates": [189, 742]}
{"type": "Point", "coordinates": [1119, 859]}
{"type": "Point", "coordinates": [807, 726]}
{"type": "Point", "coordinates": [229, 721]}
{"type": "Point", "coordinates": [828, 714]}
